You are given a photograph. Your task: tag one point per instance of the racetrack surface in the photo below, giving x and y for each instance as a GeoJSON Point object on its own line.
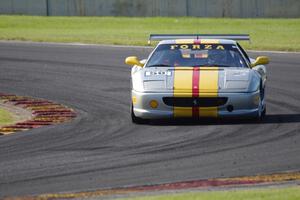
{"type": "Point", "coordinates": [101, 148]}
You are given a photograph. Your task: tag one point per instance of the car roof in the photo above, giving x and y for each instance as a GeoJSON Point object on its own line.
{"type": "Point", "coordinates": [201, 41]}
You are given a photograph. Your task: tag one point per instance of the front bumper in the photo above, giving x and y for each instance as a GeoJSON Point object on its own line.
{"type": "Point", "coordinates": [244, 104]}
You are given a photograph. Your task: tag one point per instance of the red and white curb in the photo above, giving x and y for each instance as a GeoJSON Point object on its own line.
{"type": "Point", "coordinates": [285, 177]}
{"type": "Point", "coordinates": [44, 113]}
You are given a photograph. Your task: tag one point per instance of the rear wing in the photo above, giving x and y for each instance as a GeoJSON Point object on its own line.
{"type": "Point", "coordinates": [159, 37]}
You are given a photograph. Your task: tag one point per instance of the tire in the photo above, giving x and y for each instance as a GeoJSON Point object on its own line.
{"type": "Point", "coordinates": [262, 113]}
{"type": "Point", "coordinates": [262, 96]}
{"type": "Point", "coordinates": [137, 120]}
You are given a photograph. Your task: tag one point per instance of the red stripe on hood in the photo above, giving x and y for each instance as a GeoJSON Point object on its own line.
{"type": "Point", "coordinates": [195, 88]}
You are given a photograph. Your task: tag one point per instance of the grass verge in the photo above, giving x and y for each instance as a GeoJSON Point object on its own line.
{"type": "Point", "coordinates": [266, 34]}
{"type": "Point", "coordinates": [5, 117]}
{"type": "Point", "coordinates": [290, 193]}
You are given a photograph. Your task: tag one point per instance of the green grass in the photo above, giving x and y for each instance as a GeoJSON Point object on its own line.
{"type": "Point", "coordinates": [291, 193]}
{"type": "Point", "coordinates": [5, 117]}
{"type": "Point", "coordinates": [266, 34]}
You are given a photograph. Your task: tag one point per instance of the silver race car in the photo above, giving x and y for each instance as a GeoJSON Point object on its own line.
{"type": "Point", "coordinates": [197, 76]}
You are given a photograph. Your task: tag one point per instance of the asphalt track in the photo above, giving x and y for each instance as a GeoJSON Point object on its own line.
{"type": "Point", "coordinates": [102, 148]}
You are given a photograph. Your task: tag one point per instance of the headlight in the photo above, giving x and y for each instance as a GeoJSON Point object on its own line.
{"type": "Point", "coordinates": [254, 84]}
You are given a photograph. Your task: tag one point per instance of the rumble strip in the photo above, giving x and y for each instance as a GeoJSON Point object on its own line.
{"type": "Point", "coordinates": [44, 113]}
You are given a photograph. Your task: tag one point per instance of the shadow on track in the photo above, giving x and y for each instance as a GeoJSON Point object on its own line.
{"type": "Point", "coordinates": [269, 119]}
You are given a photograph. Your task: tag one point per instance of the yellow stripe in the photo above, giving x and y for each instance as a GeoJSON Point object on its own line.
{"type": "Point", "coordinates": [183, 112]}
{"type": "Point", "coordinates": [210, 41]}
{"type": "Point", "coordinates": [184, 41]}
{"type": "Point", "coordinates": [208, 87]}
{"type": "Point", "coordinates": [183, 78]}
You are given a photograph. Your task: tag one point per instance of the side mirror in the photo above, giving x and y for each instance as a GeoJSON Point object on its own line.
{"type": "Point", "coordinates": [133, 60]}
{"type": "Point", "coordinates": [261, 60]}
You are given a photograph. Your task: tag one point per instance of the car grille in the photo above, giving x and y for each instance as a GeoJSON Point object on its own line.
{"type": "Point", "coordinates": [195, 101]}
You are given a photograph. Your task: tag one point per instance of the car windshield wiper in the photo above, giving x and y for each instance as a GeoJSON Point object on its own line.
{"type": "Point", "coordinates": [159, 65]}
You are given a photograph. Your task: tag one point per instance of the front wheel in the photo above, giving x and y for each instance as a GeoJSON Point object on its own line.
{"type": "Point", "coordinates": [264, 112]}
{"type": "Point", "coordinates": [262, 108]}
{"type": "Point", "coordinates": [261, 115]}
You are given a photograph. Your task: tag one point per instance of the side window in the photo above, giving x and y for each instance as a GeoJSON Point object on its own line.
{"type": "Point", "coordinates": [237, 59]}
{"type": "Point", "coordinates": [243, 52]}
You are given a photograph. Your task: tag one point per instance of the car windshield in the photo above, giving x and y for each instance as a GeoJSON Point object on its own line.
{"type": "Point", "coordinates": [220, 55]}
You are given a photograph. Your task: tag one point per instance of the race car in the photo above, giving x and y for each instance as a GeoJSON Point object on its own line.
{"type": "Point", "coordinates": [197, 76]}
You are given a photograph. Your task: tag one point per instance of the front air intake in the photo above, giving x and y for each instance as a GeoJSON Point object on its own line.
{"type": "Point", "coordinates": [195, 101]}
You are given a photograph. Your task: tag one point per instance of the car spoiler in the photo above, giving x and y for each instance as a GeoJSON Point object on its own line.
{"type": "Point", "coordinates": [159, 37]}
